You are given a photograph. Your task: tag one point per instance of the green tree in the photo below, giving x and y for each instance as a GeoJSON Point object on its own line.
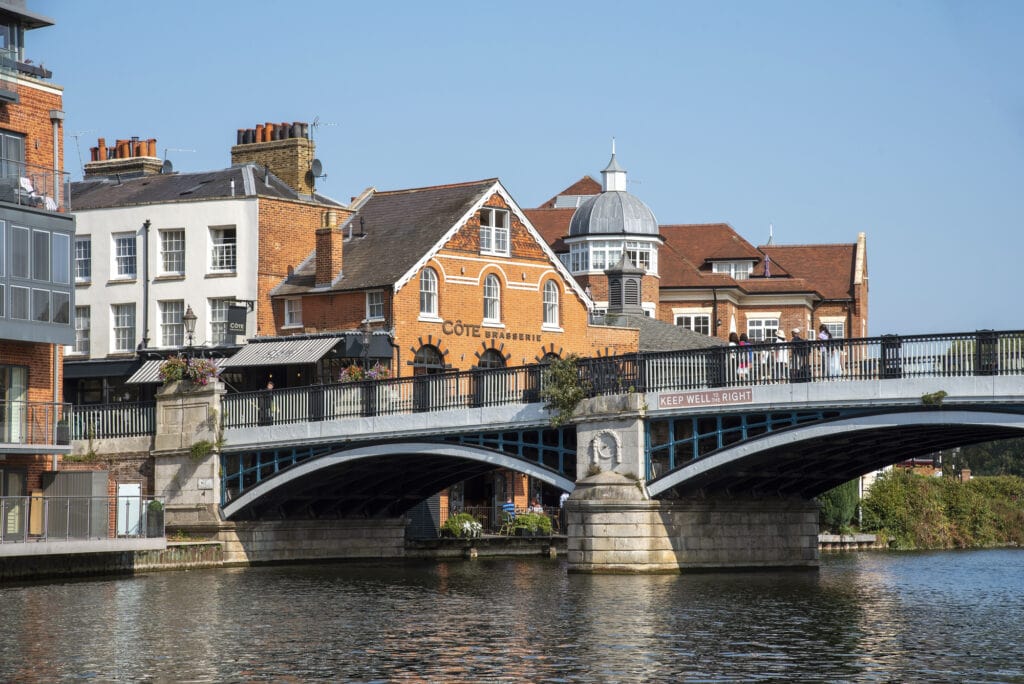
{"type": "Point", "coordinates": [839, 505]}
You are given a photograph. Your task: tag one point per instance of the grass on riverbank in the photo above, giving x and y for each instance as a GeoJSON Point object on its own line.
{"type": "Point", "coordinates": [917, 512]}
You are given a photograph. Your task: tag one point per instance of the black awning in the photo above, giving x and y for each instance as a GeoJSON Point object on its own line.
{"type": "Point", "coordinates": [99, 369]}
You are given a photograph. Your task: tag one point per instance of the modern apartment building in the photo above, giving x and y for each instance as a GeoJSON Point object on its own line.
{"type": "Point", "coordinates": [37, 294]}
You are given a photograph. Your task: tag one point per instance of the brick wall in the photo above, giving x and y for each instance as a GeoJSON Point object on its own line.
{"type": "Point", "coordinates": [460, 333]}
{"type": "Point", "coordinates": [287, 235]}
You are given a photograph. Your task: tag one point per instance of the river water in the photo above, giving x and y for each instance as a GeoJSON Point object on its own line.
{"type": "Point", "coordinates": [877, 616]}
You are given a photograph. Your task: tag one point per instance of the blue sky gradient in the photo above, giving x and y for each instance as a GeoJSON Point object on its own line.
{"type": "Point", "coordinates": [904, 120]}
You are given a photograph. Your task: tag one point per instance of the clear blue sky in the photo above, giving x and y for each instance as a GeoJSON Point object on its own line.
{"type": "Point", "coordinates": [904, 120]}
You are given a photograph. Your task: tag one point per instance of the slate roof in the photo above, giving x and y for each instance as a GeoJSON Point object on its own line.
{"type": "Point", "coordinates": [391, 231]}
{"type": "Point", "coordinates": [105, 193]}
{"type": "Point", "coordinates": [656, 336]}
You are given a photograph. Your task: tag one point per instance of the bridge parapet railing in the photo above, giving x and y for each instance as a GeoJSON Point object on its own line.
{"type": "Point", "coordinates": [874, 358]}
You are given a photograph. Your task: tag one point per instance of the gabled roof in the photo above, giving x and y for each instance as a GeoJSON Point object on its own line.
{"type": "Point", "coordinates": [583, 187]}
{"type": "Point", "coordinates": [249, 180]}
{"type": "Point", "coordinates": [829, 267]}
{"type": "Point", "coordinates": [391, 231]}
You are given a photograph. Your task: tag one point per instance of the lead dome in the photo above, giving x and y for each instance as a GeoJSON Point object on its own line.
{"type": "Point", "coordinates": [615, 211]}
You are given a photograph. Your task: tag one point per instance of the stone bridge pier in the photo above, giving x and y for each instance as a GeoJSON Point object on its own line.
{"type": "Point", "coordinates": [615, 527]}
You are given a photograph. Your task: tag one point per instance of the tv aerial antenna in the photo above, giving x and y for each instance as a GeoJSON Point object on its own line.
{"type": "Point", "coordinates": [316, 168]}
{"type": "Point", "coordinates": [168, 167]}
{"type": "Point", "coordinates": [76, 135]}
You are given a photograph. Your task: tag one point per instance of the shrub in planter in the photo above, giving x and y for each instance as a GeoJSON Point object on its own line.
{"type": "Point", "coordinates": [462, 525]}
{"type": "Point", "coordinates": [532, 524]}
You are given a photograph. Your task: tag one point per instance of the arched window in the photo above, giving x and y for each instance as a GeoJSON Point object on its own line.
{"type": "Point", "coordinates": [428, 360]}
{"type": "Point", "coordinates": [428, 292]}
{"type": "Point", "coordinates": [551, 303]}
{"type": "Point", "coordinates": [492, 299]}
{"type": "Point", "coordinates": [549, 358]}
{"type": "Point", "coordinates": [491, 358]}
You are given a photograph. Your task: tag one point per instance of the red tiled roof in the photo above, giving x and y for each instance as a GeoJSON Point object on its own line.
{"type": "Point", "coordinates": [552, 224]}
{"type": "Point", "coordinates": [829, 267]}
{"type": "Point", "coordinates": [699, 242]}
{"type": "Point", "coordinates": [584, 186]}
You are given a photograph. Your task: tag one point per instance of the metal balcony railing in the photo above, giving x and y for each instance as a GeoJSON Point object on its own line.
{"type": "Point", "coordinates": [34, 186]}
{"type": "Point", "coordinates": [121, 419]}
{"type": "Point", "coordinates": [31, 423]}
{"type": "Point", "coordinates": [27, 519]}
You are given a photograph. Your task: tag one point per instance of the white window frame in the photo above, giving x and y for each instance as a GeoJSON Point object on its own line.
{"type": "Point", "coordinates": [737, 270]}
{"type": "Point", "coordinates": [124, 254]}
{"type": "Point", "coordinates": [641, 254]}
{"type": "Point", "coordinates": [293, 312]}
{"type": "Point", "coordinates": [83, 258]}
{"type": "Point", "coordinates": [697, 322]}
{"type": "Point", "coordinates": [172, 326]}
{"type": "Point", "coordinates": [223, 249]}
{"type": "Point", "coordinates": [494, 239]}
{"type": "Point", "coordinates": [550, 295]}
{"type": "Point", "coordinates": [83, 321]}
{"type": "Point", "coordinates": [762, 328]}
{"type": "Point", "coordinates": [428, 293]}
{"type": "Point", "coordinates": [172, 251]}
{"type": "Point", "coordinates": [492, 299]}
{"type": "Point", "coordinates": [375, 305]}
{"type": "Point", "coordinates": [219, 320]}
{"type": "Point", "coordinates": [835, 326]}
{"type": "Point", "coordinates": [579, 258]}
{"type": "Point", "coordinates": [122, 323]}
{"type": "Point", "coordinates": [604, 254]}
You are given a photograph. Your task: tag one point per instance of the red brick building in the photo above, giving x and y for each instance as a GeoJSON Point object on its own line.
{"type": "Point", "coordinates": [36, 291]}
{"type": "Point", "coordinates": [706, 277]}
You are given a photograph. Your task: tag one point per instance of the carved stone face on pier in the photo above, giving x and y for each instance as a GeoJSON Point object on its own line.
{"type": "Point", "coordinates": [605, 450]}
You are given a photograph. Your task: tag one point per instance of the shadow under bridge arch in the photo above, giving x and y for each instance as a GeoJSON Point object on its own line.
{"type": "Point", "coordinates": [810, 459]}
{"type": "Point", "coordinates": [375, 481]}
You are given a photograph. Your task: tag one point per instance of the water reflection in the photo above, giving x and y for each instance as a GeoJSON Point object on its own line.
{"type": "Point", "coordinates": [868, 617]}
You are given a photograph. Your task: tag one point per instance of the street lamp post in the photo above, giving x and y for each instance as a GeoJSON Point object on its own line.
{"type": "Point", "coordinates": [189, 319]}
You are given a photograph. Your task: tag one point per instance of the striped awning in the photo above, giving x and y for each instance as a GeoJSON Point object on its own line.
{"type": "Point", "coordinates": [149, 371]}
{"type": "Point", "coordinates": [283, 352]}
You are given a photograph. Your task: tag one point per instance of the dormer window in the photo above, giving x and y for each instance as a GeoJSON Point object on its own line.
{"type": "Point", "coordinates": [737, 270]}
{"type": "Point", "coordinates": [494, 231]}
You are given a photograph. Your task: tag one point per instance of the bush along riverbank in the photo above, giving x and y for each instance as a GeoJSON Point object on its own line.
{"type": "Point", "coordinates": [911, 511]}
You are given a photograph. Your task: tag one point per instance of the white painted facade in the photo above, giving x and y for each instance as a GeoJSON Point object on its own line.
{"type": "Point", "coordinates": [197, 287]}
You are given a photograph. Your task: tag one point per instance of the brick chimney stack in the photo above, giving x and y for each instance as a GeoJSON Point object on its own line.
{"type": "Point", "coordinates": [284, 148]}
{"type": "Point", "coordinates": [329, 249]}
{"type": "Point", "coordinates": [126, 158]}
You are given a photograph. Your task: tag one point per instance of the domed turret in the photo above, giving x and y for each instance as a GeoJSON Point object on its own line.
{"type": "Point", "coordinates": [614, 211]}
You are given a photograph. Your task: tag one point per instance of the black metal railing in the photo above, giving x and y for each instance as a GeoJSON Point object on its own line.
{"type": "Point", "coordinates": [875, 358]}
{"type": "Point", "coordinates": [122, 419]}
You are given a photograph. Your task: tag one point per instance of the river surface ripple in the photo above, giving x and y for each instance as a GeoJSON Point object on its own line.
{"type": "Point", "coordinates": [877, 617]}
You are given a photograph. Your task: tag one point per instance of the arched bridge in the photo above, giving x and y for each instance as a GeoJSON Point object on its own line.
{"type": "Point", "coordinates": [794, 419]}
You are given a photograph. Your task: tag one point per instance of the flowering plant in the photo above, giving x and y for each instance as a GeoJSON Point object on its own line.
{"type": "Point", "coordinates": [462, 525]}
{"type": "Point", "coordinates": [199, 371]}
{"type": "Point", "coordinates": [356, 373]}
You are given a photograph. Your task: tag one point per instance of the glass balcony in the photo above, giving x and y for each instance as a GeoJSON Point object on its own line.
{"type": "Point", "coordinates": [34, 426]}
{"type": "Point", "coordinates": [34, 186]}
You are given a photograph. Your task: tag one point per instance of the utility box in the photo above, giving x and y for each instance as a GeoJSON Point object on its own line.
{"type": "Point", "coordinates": [77, 504]}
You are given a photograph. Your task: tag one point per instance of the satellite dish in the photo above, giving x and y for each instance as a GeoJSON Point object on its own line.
{"type": "Point", "coordinates": [168, 167]}
{"type": "Point", "coordinates": [317, 168]}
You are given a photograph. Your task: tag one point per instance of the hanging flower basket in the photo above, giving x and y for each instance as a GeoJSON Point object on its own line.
{"type": "Point", "coordinates": [198, 371]}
